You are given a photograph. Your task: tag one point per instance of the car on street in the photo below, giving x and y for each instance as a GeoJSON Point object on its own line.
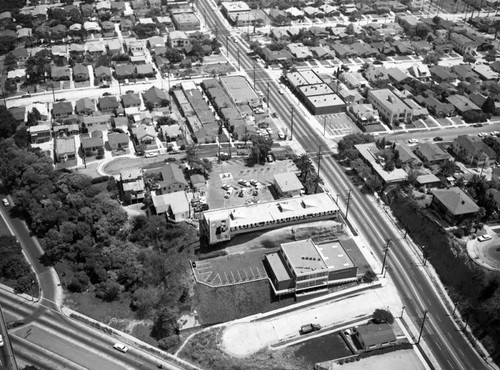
{"type": "Point", "coordinates": [120, 347]}
{"type": "Point", "coordinates": [254, 182]}
{"type": "Point", "coordinates": [484, 238]}
{"type": "Point", "coordinates": [478, 125]}
{"type": "Point", "coordinates": [438, 138]}
{"type": "Point", "coordinates": [270, 158]}
{"type": "Point", "coordinates": [1, 341]}
{"type": "Point", "coordinates": [281, 91]}
{"type": "Point", "coordinates": [413, 141]}
{"type": "Point", "coordinates": [482, 134]}
{"type": "Point", "coordinates": [5, 202]}
{"type": "Point", "coordinates": [151, 155]}
{"type": "Point", "coordinates": [226, 186]}
{"type": "Point", "coordinates": [281, 135]}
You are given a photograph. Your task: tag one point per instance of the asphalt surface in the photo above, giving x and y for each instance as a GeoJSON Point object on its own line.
{"type": "Point", "coordinates": [448, 345]}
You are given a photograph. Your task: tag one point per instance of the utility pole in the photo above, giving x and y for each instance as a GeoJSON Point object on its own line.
{"type": "Point", "coordinates": [227, 45]}
{"type": "Point", "coordinates": [422, 326]}
{"type": "Point", "coordinates": [291, 126]}
{"type": "Point", "coordinates": [216, 32]}
{"type": "Point", "coordinates": [319, 169]}
{"type": "Point", "coordinates": [267, 97]}
{"type": "Point", "coordinates": [348, 203]}
{"type": "Point", "coordinates": [402, 311]}
{"type": "Point", "coordinates": [324, 126]}
{"type": "Point", "coordinates": [239, 68]}
{"type": "Point", "coordinates": [386, 250]}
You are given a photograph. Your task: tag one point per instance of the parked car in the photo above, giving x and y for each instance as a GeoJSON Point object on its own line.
{"type": "Point", "coordinates": [226, 186]}
{"type": "Point", "coordinates": [1, 341]}
{"type": "Point", "coordinates": [413, 141]}
{"type": "Point", "coordinates": [484, 238]}
{"type": "Point", "coordinates": [151, 155]}
{"type": "Point", "coordinates": [281, 91]}
{"type": "Point", "coordinates": [438, 138]}
{"type": "Point", "coordinates": [244, 182]}
{"type": "Point", "coordinates": [254, 182]}
{"type": "Point", "coordinates": [228, 193]}
{"type": "Point", "coordinates": [120, 347]}
{"type": "Point", "coordinates": [309, 328]}
{"type": "Point", "coordinates": [478, 125]}
{"type": "Point", "coordinates": [270, 158]}
{"type": "Point", "coordinates": [5, 202]}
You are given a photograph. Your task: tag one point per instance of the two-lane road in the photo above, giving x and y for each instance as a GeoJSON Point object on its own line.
{"type": "Point", "coordinates": [449, 347]}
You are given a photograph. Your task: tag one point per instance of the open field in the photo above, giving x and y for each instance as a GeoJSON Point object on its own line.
{"type": "Point", "coordinates": [324, 348]}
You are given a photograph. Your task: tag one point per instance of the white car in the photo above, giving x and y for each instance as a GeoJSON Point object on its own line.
{"type": "Point", "coordinates": [254, 182]}
{"type": "Point", "coordinates": [120, 347]}
{"type": "Point", "coordinates": [482, 134]}
{"type": "Point", "coordinates": [1, 341]}
{"type": "Point", "coordinates": [228, 193]}
{"type": "Point", "coordinates": [5, 202]}
{"type": "Point", "coordinates": [281, 91]}
{"type": "Point", "coordinates": [244, 182]}
{"type": "Point", "coordinates": [413, 141]}
{"type": "Point", "coordinates": [226, 186]}
{"type": "Point", "coordinates": [151, 155]}
{"type": "Point", "coordinates": [484, 238]}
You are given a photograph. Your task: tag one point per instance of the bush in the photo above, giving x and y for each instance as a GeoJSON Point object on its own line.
{"type": "Point", "coordinates": [168, 342]}
{"type": "Point", "coordinates": [459, 233]}
{"type": "Point", "coordinates": [79, 283]}
{"type": "Point", "coordinates": [213, 254]}
{"type": "Point", "coordinates": [100, 179]}
{"type": "Point", "coordinates": [108, 291]}
{"type": "Point", "coordinates": [382, 316]}
{"type": "Point", "coordinates": [369, 276]}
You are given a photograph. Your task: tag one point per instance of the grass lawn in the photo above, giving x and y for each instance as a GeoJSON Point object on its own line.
{"type": "Point", "coordinates": [202, 349]}
{"type": "Point", "coordinates": [324, 348]}
{"type": "Point", "coordinates": [4, 230]}
{"type": "Point", "coordinates": [227, 303]}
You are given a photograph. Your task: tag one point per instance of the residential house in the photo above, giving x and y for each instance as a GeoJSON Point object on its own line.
{"type": "Point", "coordinates": [58, 32]}
{"type": "Point", "coordinates": [145, 70]}
{"type": "Point", "coordinates": [407, 158]}
{"type": "Point", "coordinates": [473, 151]}
{"type": "Point", "coordinates": [461, 103]}
{"type": "Point", "coordinates": [478, 98]}
{"type": "Point", "coordinates": [145, 134]}
{"type": "Point", "coordinates": [464, 72]}
{"type": "Point", "coordinates": [375, 336]}
{"type": "Point", "coordinates": [198, 183]}
{"type": "Point", "coordinates": [65, 149]}
{"type": "Point", "coordinates": [85, 107]}
{"type": "Point", "coordinates": [276, 56]}
{"type": "Point", "coordinates": [364, 114]}
{"type": "Point", "coordinates": [118, 141]}
{"type": "Point", "coordinates": [155, 43]}
{"type": "Point", "coordinates": [454, 205]}
{"type": "Point", "coordinates": [62, 109]}
{"type": "Point", "coordinates": [436, 107]}
{"type": "Point", "coordinates": [442, 74]}
{"type": "Point", "coordinates": [103, 74]}
{"type": "Point", "coordinates": [19, 113]}
{"type": "Point", "coordinates": [131, 100]}
{"type": "Point", "coordinates": [376, 73]}
{"type": "Point", "coordinates": [178, 39]}
{"type": "Point", "coordinates": [463, 44]}
{"type": "Point", "coordinates": [175, 205]}
{"type": "Point", "coordinates": [108, 29]}
{"type": "Point", "coordinates": [132, 185]}
{"type": "Point", "coordinates": [154, 96]}
{"type": "Point", "coordinates": [40, 133]}
{"type": "Point", "coordinates": [172, 132]}
{"type": "Point", "coordinates": [59, 51]}
{"type": "Point", "coordinates": [95, 48]}
{"type": "Point", "coordinates": [21, 54]}
{"type": "Point", "coordinates": [96, 123]}
{"type": "Point", "coordinates": [354, 80]}
{"type": "Point", "coordinates": [114, 46]}
{"type": "Point", "coordinates": [370, 154]}
{"type": "Point", "coordinates": [431, 154]}
{"type": "Point", "coordinates": [66, 129]}
{"type": "Point", "coordinates": [397, 75]}
{"type": "Point", "coordinates": [91, 144]}
{"type": "Point", "coordinates": [60, 73]}
{"type": "Point", "coordinates": [108, 104]}
{"type": "Point", "coordinates": [287, 185]}
{"type": "Point", "coordinates": [121, 123]}
{"type": "Point", "coordinates": [125, 71]}
{"type": "Point", "coordinates": [80, 72]}
{"type": "Point", "coordinates": [172, 179]}
{"type": "Point", "coordinates": [485, 72]}
{"type": "Point", "coordinates": [126, 25]}
{"type": "Point", "coordinates": [428, 181]}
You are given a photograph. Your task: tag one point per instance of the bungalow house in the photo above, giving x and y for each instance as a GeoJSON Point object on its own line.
{"type": "Point", "coordinates": [97, 123]}
{"type": "Point", "coordinates": [464, 72]}
{"type": "Point", "coordinates": [428, 181]}
{"type": "Point", "coordinates": [131, 100]}
{"type": "Point", "coordinates": [276, 56]}
{"type": "Point", "coordinates": [121, 123]}
{"type": "Point", "coordinates": [155, 42]}
{"type": "Point", "coordinates": [124, 71]}
{"type": "Point", "coordinates": [95, 48]}
{"type": "Point", "coordinates": [154, 96]}
{"type": "Point", "coordinates": [420, 72]}
{"type": "Point", "coordinates": [431, 154]}
{"type": "Point", "coordinates": [85, 107]}
{"type": "Point", "coordinates": [58, 32]}
{"type": "Point", "coordinates": [322, 52]}
{"type": "Point", "coordinates": [485, 72]}
{"type": "Point", "coordinates": [299, 51]}
{"type": "Point", "coordinates": [92, 143]}
{"type": "Point", "coordinates": [60, 73]}
{"type": "Point", "coordinates": [65, 149]}
{"type": "Point", "coordinates": [397, 75]}
{"type": "Point", "coordinates": [172, 179]}
{"type": "Point", "coordinates": [442, 74]}
{"type": "Point", "coordinates": [80, 72]}
{"type": "Point", "coordinates": [21, 54]}
{"type": "Point", "coordinates": [118, 141]}
{"type": "Point", "coordinates": [175, 205]}
{"type": "Point", "coordinates": [375, 336]}
{"type": "Point", "coordinates": [145, 134]}
{"type": "Point", "coordinates": [461, 103]}
{"type": "Point", "coordinates": [364, 114]}
{"type": "Point", "coordinates": [132, 185]}
{"type": "Point", "coordinates": [64, 130]}
{"type": "Point", "coordinates": [198, 183]}
{"type": "Point", "coordinates": [62, 109]}
{"type": "Point", "coordinates": [279, 18]}
{"type": "Point", "coordinates": [40, 133]}
{"type": "Point", "coordinates": [59, 51]}
{"type": "Point", "coordinates": [454, 205]}
{"type": "Point", "coordinates": [375, 73]}
{"type": "Point", "coordinates": [108, 104]}
{"type": "Point", "coordinates": [76, 50]}
{"type": "Point", "coordinates": [354, 80]}
{"type": "Point", "coordinates": [126, 25]}
{"type": "Point", "coordinates": [145, 70]}
{"type": "Point", "coordinates": [108, 29]}
{"type": "Point", "coordinates": [473, 151]}
{"type": "Point", "coordinates": [171, 132]}
{"type": "Point", "coordinates": [103, 74]}
{"type": "Point", "coordinates": [114, 46]}
{"type": "Point", "coordinates": [436, 107]}
{"type": "Point", "coordinates": [408, 158]}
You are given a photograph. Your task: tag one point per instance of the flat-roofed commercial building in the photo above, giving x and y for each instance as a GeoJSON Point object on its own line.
{"type": "Point", "coordinates": [287, 184]}
{"type": "Point", "coordinates": [304, 266]}
{"type": "Point", "coordinates": [222, 224]}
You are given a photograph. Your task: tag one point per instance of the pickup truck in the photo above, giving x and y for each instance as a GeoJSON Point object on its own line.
{"type": "Point", "coordinates": [309, 328]}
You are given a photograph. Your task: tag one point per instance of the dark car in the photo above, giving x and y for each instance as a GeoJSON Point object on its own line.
{"type": "Point", "coordinates": [478, 125]}
{"type": "Point", "coordinates": [438, 138]}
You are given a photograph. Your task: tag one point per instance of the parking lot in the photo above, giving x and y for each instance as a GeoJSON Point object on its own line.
{"type": "Point", "coordinates": [338, 124]}
{"type": "Point", "coordinates": [229, 173]}
{"type": "Point", "coordinates": [232, 269]}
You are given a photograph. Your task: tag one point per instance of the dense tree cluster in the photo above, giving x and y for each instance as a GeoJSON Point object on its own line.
{"type": "Point", "coordinates": [13, 265]}
{"type": "Point", "coordinates": [80, 224]}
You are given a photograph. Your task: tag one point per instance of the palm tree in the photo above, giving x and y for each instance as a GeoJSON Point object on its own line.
{"type": "Point", "coordinates": [305, 166]}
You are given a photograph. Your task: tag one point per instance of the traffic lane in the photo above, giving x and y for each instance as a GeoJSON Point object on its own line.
{"type": "Point", "coordinates": [33, 252]}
